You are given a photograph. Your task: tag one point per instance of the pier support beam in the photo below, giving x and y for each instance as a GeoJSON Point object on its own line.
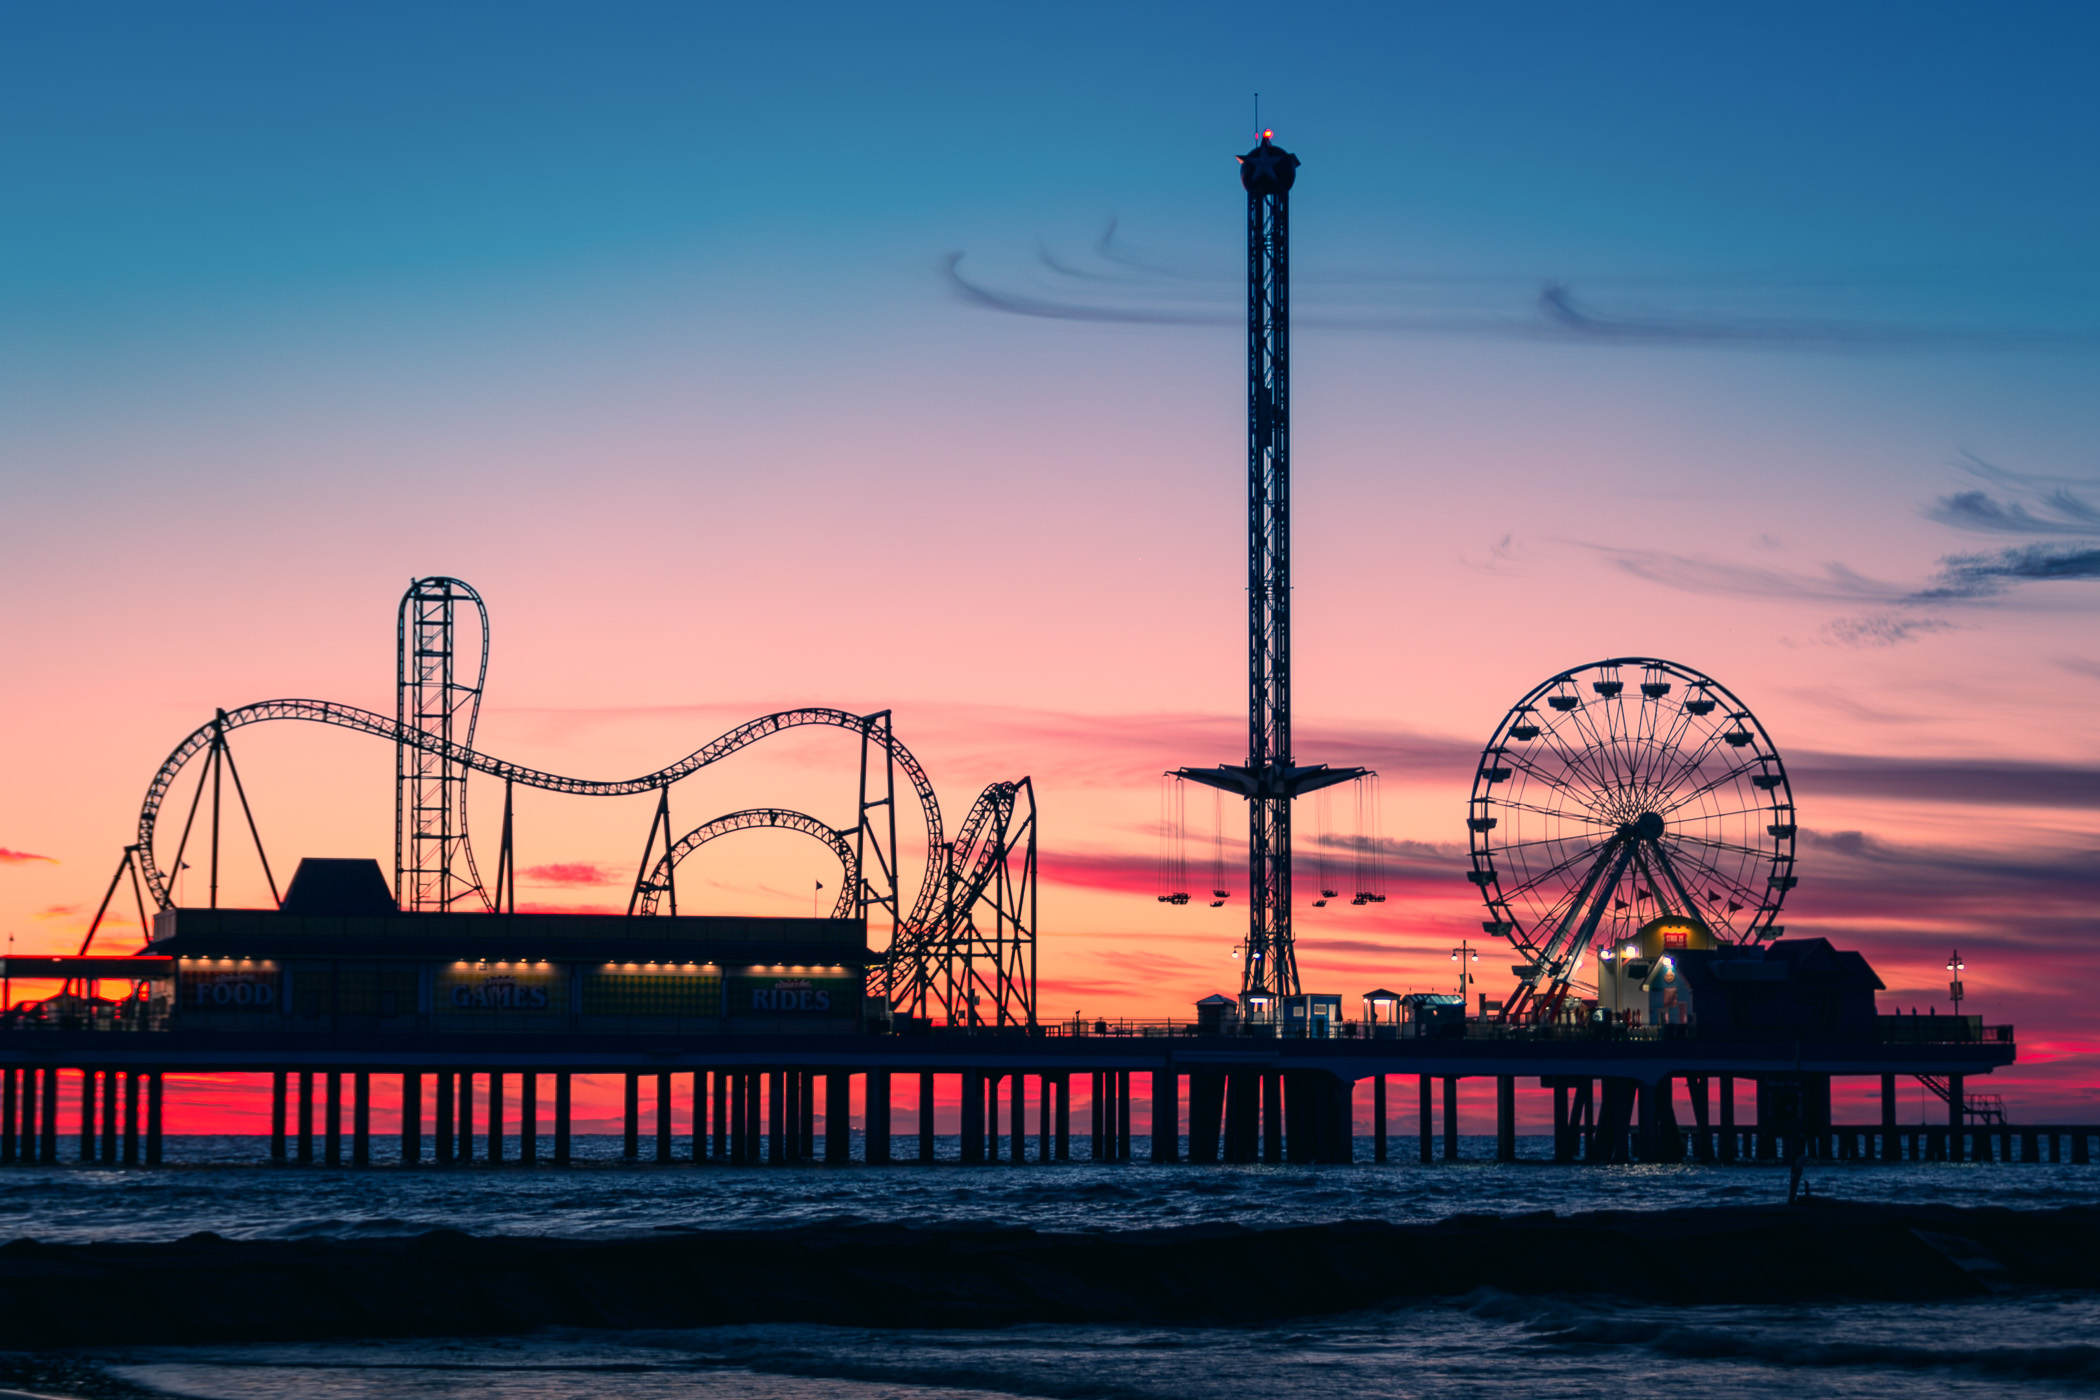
{"type": "Point", "coordinates": [496, 1116]}
{"type": "Point", "coordinates": [1301, 1118]}
{"type": "Point", "coordinates": [109, 1117]}
{"type": "Point", "coordinates": [87, 1115]}
{"type": "Point", "coordinates": [776, 1118]}
{"type": "Point", "coordinates": [1728, 1145]}
{"type": "Point", "coordinates": [1696, 1086]}
{"type": "Point", "coordinates": [699, 1117]}
{"type": "Point", "coordinates": [361, 1119]}
{"type": "Point", "coordinates": [926, 1117]}
{"type": "Point", "coordinates": [445, 1122]}
{"type": "Point", "coordinates": [153, 1118]}
{"type": "Point", "coordinates": [663, 1118]}
{"type": "Point", "coordinates": [411, 1119]}
{"type": "Point", "coordinates": [1206, 1114]}
{"type": "Point", "coordinates": [306, 1117]}
{"type": "Point", "coordinates": [972, 1117]}
{"type": "Point", "coordinates": [721, 1095]}
{"type": "Point", "coordinates": [1451, 1119]}
{"type": "Point", "coordinates": [631, 1142]}
{"type": "Point", "coordinates": [1046, 1130]}
{"type": "Point", "coordinates": [1378, 1116]}
{"type": "Point", "coordinates": [277, 1115]}
{"type": "Point", "coordinates": [1166, 1115]}
{"type": "Point", "coordinates": [562, 1117]}
{"type": "Point", "coordinates": [1122, 1115]}
{"type": "Point", "coordinates": [1956, 1119]}
{"type": "Point", "coordinates": [1272, 1116]}
{"type": "Point", "coordinates": [838, 1117]}
{"type": "Point", "coordinates": [47, 1133]}
{"type": "Point", "coordinates": [332, 1120]}
{"type": "Point", "coordinates": [1505, 1118]}
{"type": "Point", "coordinates": [875, 1118]}
{"type": "Point", "coordinates": [529, 1117]}
{"type": "Point", "coordinates": [739, 1143]}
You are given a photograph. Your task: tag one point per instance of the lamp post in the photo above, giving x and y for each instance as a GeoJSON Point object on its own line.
{"type": "Point", "coordinates": [1955, 965]}
{"type": "Point", "coordinates": [1464, 954]}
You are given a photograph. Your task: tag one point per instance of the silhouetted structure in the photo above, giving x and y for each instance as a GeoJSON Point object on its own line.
{"type": "Point", "coordinates": [1270, 779]}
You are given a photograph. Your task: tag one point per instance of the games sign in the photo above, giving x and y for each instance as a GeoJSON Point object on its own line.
{"type": "Point", "coordinates": [469, 991]}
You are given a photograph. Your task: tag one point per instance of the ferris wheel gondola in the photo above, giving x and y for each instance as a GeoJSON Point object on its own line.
{"type": "Point", "coordinates": [1599, 806]}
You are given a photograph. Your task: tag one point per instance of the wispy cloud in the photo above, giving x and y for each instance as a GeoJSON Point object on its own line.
{"type": "Point", "coordinates": [1834, 582]}
{"type": "Point", "coordinates": [1957, 782]}
{"type": "Point", "coordinates": [1116, 286]}
{"type": "Point", "coordinates": [1882, 630]}
{"type": "Point", "coordinates": [1963, 576]}
{"type": "Point", "coordinates": [575, 872]}
{"type": "Point", "coordinates": [8, 857]}
{"type": "Point", "coordinates": [2019, 503]}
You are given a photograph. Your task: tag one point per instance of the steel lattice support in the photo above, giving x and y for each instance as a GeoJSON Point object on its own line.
{"type": "Point", "coordinates": [435, 713]}
{"type": "Point", "coordinates": [1271, 779]}
{"type": "Point", "coordinates": [988, 961]}
{"type": "Point", "coordinates": [1271, 962]}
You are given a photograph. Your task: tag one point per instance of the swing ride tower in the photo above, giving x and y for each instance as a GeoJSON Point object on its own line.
{"type": "Point", "coordinates": [1271, 779]}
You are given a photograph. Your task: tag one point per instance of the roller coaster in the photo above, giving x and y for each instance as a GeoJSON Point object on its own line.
{"type": "Point", "coordinates": [963, 952]}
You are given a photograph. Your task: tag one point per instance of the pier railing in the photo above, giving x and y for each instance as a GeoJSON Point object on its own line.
{"type": "Point", "coordinates": [1887, 1030]}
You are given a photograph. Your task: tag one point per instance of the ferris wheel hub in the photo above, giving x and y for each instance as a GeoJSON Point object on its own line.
{"type": "Point", "coordinates": [1649, 827]}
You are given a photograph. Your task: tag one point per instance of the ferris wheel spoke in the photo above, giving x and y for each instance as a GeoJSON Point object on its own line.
{"type": "Point", "coordinates": [1705, 878]}
{"type": "Point", "coordinates": [1711, 785]}
{"type": "Point", "coordinates": [1575, 758]}
{"type": "Point", "coordinates": [1557, 868]}
{"type": "Point", "coordinates": [1758, 811]}
{"type": "Point", "coordinates": [1693, 759]}
{"type": "Point", "coordinates": [1512, 804]}
{"type": "Point", "coordinates": [1537, 841]}
{"type": "Point", "coordinates": [1524, 762]}
{"type": "Point", "coordinates": [1605, 771]}
{"type": "Point", "coordinates": [1712, 845]}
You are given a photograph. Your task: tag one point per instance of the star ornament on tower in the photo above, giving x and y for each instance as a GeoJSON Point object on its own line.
{"type": "Point", "coordinates": [1268, 168]}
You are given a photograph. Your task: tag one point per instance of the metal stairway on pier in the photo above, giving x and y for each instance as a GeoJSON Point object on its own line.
{"type": "Point", "coordinates": [1975, 1108]}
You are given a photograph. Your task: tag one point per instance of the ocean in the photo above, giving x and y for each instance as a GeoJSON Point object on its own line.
{"type": "Point", "coordinates": [1486, 1343]}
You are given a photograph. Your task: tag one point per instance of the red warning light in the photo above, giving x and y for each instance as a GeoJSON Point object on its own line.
{"type": "Point", "coordinates": [1268, 135]}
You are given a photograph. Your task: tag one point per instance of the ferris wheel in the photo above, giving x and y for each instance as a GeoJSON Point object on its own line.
{"type": "Point", "coordinates": [1618, 793]}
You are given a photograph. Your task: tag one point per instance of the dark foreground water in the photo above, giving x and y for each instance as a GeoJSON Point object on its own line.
{"type": "Point", "coordinates": [1485, 1344]}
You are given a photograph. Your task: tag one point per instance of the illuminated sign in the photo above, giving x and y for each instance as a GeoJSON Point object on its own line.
{"type": "Point", "coordinates": [241, 991]}
{"type": "Point", "coordinates": [479, 990]}
{"type": "Point", "coordinates": [794, 996]}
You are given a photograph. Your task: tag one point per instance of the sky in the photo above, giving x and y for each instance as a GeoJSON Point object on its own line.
{"type": "Point", "coordinates": [890, 358]}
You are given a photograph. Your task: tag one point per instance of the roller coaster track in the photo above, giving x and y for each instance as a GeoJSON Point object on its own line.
{"type": "Point", "coordinates": [912, 930]}
{"type": "Point", "coordinates": [754, 818]}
